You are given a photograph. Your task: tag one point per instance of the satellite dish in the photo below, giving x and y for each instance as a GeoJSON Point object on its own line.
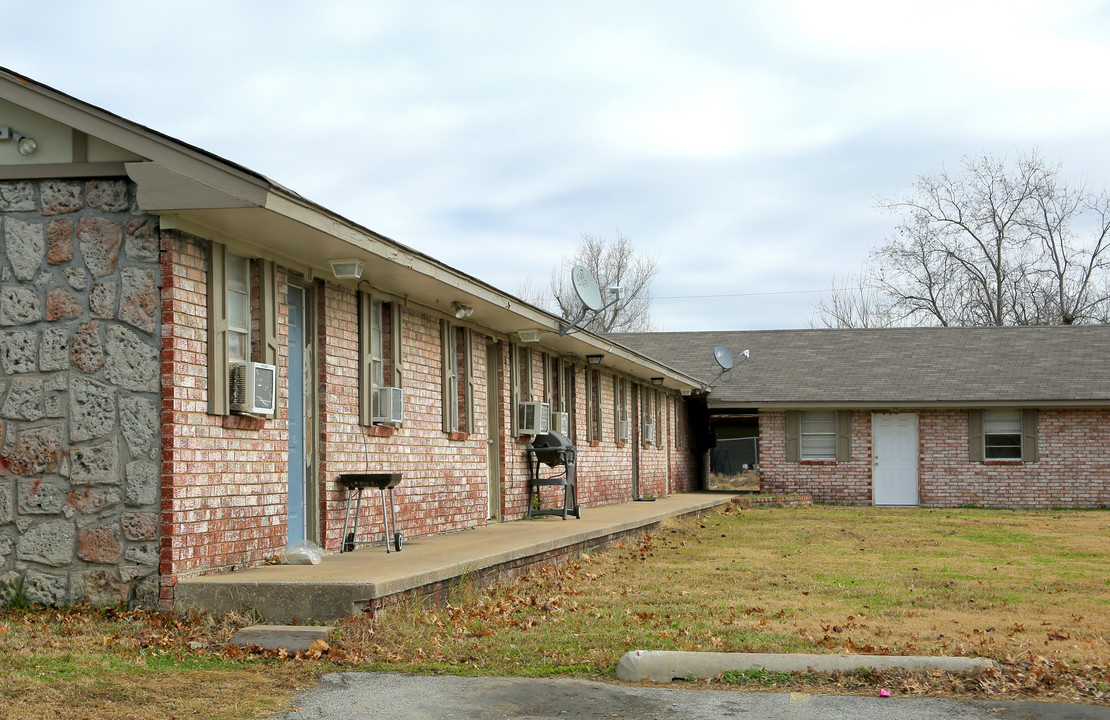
{"type": "Point", "coordinates": [585, 285]}
{"type": "Point", "coordinates": [723, 356]}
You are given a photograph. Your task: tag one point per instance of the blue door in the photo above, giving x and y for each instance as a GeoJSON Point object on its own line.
{"type": "Point", "coordinates": [298, 495]}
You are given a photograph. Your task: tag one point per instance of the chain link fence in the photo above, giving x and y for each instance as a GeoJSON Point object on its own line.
{"type": "Point", "coordinates": [734, 464]}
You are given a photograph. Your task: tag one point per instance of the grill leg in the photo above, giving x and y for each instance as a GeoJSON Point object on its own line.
{"type": "Point", "coordinates": [385, 517]}
{"type": "Point", "coordinates": [396, 532]}
{"type": "Point", "coordinates": [349, 539]}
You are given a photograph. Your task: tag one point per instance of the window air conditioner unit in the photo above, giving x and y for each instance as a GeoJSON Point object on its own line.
{"type": "Point", "coordinates": [253, 388]}
{"type": "Point", "coordinates": [533, 418]}
{"type": "Point", "coordinates": [389, 409]}
{"type": "Point", "coordinates": [560, 422]}
{"type": "Point", "coordinates": [622, 431]}
{"type": "Point", "coordinates": [649, 433]}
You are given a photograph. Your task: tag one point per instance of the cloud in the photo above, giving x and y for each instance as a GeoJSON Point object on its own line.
{"type": "Point", "coordinates": [744, 144]}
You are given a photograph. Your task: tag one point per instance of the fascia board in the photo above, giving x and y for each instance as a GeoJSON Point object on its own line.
{"type": "Point", "coordinates": [130, 136]}
{"type": "Point", "coordinates": [907, 405]}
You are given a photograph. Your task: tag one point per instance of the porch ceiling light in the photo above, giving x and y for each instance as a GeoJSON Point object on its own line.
{"type": "Point", "coordinates": [462, 311]}
{"type": "Point", "coordinates": [529, 336]}
{"type": "Point", "coordinates": [594, 359]}
{"type": "Point", "coordinates": [657, 381]}
{"type": "Point", "coordinates": [346, 269]}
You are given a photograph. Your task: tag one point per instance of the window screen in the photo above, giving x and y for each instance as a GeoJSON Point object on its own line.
{"type": "Point", "coordinates": [818, 435]}
{"type": "Point", "coordinates": [1002, 434]}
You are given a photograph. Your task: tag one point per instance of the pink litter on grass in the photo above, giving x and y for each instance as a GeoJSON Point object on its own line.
{"type": "Point", "coordinates": [884, 693]}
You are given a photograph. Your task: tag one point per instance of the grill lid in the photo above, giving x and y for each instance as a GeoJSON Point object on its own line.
{"type": "Point", "coordinates": [552, 441]}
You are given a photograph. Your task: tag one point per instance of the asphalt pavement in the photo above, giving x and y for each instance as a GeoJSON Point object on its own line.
{"type": "Point", "coordinates": [361, 696]}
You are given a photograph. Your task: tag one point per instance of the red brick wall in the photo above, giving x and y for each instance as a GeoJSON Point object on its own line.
{"type": "Point", "coordinates": [445, 480]}
{"type": "Point", "coordinates": [1073, 469]}
{"type": "Point", "coordinates": [224, 478]}
{"type": "Point", "coordinates": [845, 483]}
{"type": "Point", "coordinates": [223, 488]}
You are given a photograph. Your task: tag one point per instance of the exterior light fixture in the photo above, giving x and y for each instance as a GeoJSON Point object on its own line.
{"type": "Point", "coordinates": [462, 311]}
{"type": "Point", "coordinates": [23, 144]}
{"type": "Point", "coordinates": [594, 359]}
{"type": "Point", "coordinates": [346, 269]}
{"type": "Point", "coordinates": [657, 381]}
{"type": "Point", "coordinates": [529, 336]}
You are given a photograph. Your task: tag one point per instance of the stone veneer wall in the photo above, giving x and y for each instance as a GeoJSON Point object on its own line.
{"type": "Point", "coordinates": [80, 326]}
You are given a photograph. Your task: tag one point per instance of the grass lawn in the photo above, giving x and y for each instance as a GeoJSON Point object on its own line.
{"type": "Point", "coordinates": [1029, 589]}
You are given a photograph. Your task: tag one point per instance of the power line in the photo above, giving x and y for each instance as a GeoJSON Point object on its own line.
{"type": "Point", "coordinates": [727, 295]}
{"type": "Point", "coordinates": [751, 294]}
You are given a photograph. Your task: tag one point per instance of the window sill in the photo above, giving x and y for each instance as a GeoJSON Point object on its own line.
{"type": "Point", "coordinates": [818, 461]}
{"type": "Point", "coordinates": [244, 422]}
{"type": "Point", "coordinates": [380, 430]}
{"type": "Point", "coordinates": [621, 443]}
{"type": "Point", "coordinates": [459, 436]}
{"type": "Point", "coordinates": [1003, 461]}
{"type": "Point", "coordinates": [595, 443]}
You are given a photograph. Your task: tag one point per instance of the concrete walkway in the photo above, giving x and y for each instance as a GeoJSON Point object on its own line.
{"type": "Point", "coordinates": [345, 584]}
{"type": "Point", "coordinates": [354, 696]}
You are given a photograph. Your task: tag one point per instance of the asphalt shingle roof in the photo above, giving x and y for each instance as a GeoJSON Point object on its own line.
{"type": "Point", "coordinates": [920, 366]}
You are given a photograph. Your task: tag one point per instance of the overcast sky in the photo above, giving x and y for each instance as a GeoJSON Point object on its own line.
{"type": "Point", "coordinates": [743, 144]}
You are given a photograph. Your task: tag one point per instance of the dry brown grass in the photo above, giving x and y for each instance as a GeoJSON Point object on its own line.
{"type": "Point", "coordinates": [746, 481]}
{"type": "Point", "coordinates": [83, 663]}
{"type": "Point", "coordinates": [1029, 589]}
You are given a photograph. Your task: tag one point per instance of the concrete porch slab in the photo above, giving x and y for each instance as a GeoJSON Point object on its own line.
{"type": "Point", "coordinates": [346, 584]}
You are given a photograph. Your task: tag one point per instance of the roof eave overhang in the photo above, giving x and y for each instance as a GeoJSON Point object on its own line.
{"type": "Point", "coordinates": [725, 405]}
{"type": "Point", "coordinates": [305, 236]}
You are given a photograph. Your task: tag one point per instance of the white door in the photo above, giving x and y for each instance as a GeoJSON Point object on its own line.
{"type": "Point", "coordinates": [894, 472]}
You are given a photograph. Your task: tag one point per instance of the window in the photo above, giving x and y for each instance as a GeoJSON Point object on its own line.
{"type": "Point", "coordinates": [379, 326]}
{"type": "Point", "coordinates": [1002, 434]}
{"type": "Point", "coordinates": [238, 308]}
{"type": "Point", "coordinates": [818, 435]}
{"type": "Point", "coordinates": [648, 412]}
{"type": "Point", "coordinates": [458, 378]}
{"type": "Point", "coordinates": [569, 398]}
{"type": "Point", "coordinates": [593, 401]}
{"type": "Point", "coordinates": [241, 292]}
{"type": "Point", "coordinates": [520, 380]}
{"type": "Point", "coordinates": [550, 381]}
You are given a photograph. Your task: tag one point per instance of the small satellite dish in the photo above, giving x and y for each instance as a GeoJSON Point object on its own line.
{"type": "Point", "coordinates": [585, 285]}
{"type": "Point", "coordinates": [723, 356]}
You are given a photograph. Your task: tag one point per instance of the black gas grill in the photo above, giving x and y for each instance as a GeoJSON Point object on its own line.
{"type": "Point", "coordinates": [555, 451]}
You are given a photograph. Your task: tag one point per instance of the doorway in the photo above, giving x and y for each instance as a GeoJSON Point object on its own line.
{"type": "Point", "coordinates": [493, 428]}
{"type": "Point", "coordinates": [302, 522]}
{"type": "Point", "coordinates": [634, 438]}
{"type": "Point", "coordinates": [894, 458]}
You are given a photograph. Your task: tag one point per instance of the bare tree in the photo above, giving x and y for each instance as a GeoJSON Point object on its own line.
{"type": "Point", "coordinates": [994, 244]}
{"type": "Point", "coordinates": [855, 303]}
{"type": "Point", "coordinates": [614, 262]}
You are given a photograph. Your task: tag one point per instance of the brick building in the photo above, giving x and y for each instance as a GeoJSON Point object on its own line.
{"type": "Point", "coordinates": [1014, 417]}
{"type": "Point", "coordinates": [152, 295]}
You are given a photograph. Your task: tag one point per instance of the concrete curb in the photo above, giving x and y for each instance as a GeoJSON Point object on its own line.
{"type": "Point", "coordinates": [666, 665]}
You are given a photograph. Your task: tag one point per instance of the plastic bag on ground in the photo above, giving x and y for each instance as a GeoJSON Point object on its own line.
{"type": "Point", "coordinates": [303, 552]}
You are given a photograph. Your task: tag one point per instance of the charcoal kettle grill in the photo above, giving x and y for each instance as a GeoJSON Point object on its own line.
{"type": "Point", "coordinates": [555, 451]}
